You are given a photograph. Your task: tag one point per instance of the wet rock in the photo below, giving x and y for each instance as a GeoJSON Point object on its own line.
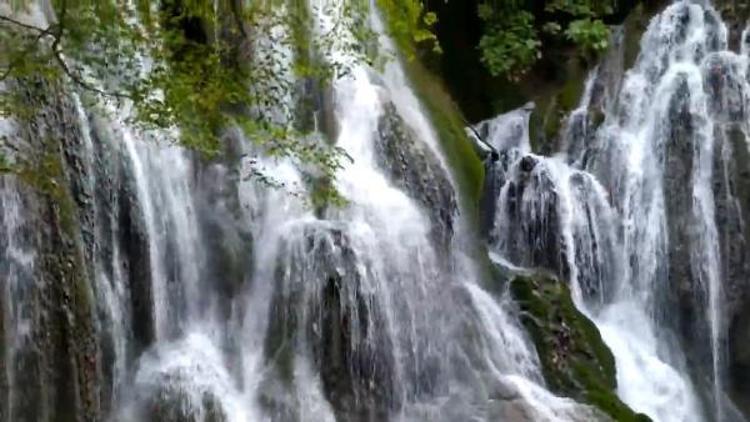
{"type": "Point", "coordinates": [732, 190]}
{"type": "Point", "coordinates": [137, 263]}
{"type": "Point", "coordinates": [229, 240]}
{"type": "Point", "coordinates": [322, 307]}
{"type": "Point", "coordinates": [575, 361]}
{"type": "Point", "coordinates": [494, 180]}
{"type": "Point", "coordinates": [726, 86]}
{"type": "Point", "coordinates": [506, 137]}
{"type": "Point", "coordinates": [174, 405]}
{"type": "Point", "coordinates": [412, 166]}
{"type": "Point", "coordinates": [61, 370]}
{"type": "Point", "coordinates": [735, 13]}
{"type": "Point", "coordinates": [527, 228]}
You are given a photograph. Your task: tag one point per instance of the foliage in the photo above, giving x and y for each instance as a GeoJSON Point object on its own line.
{"type": "Point", "coordinates": [509, 45]}
{"type": "Point", "coordinates": [177, 64]}
{"type": "Point", "coordinates": [410, 25]}
{"type": "Point", "coordinates": [200, 66]}
{"type": "Point", "coordinates": [512, 35]}
{"type": "Point", "coordinates": [591, 35]}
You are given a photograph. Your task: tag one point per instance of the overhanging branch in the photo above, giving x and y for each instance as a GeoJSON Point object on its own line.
{"type": "Point", "coordinates": [55, 31]}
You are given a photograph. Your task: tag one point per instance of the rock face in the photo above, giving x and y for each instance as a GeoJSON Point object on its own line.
{"type": "Point", "coordinates": [323, 306]}
{"type": "Point", "coordinates": [530, 200]}
{"type": "Point", "coordinates": [416, 169]}
{"type": "Point", "coordinates": [54, 346]}
{"type": "Point", "coordinates": [176, 406]}
{"type": "Point", "coordinates": [678, 155]}
{"type": "Point", "coordinates": [575, 361]}
{"type": "Point", "coordinates": [76, 259]}
{"type": "Point", "coordinates": [731, 190]}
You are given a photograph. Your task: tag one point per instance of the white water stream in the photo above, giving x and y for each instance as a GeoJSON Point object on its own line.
{"type": "Point", "coordinates": [611, 224]}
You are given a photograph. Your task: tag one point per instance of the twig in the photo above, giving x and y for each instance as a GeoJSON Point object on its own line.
{"type": "Point", "coordinates": [56, 31]}
{"type": "Point", "coordinates": [46, 31]}
{"type": "Point", "coordinates": [78, 80]}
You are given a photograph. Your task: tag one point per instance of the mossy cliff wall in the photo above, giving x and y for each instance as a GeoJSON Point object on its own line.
{"type": "Point", "coordinates": [58, 373]}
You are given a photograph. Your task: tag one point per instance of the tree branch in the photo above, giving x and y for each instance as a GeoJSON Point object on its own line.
{"type": "Point", "coordinates": [42, 31]}
{"type": "Point", "coordinates": [55, 31]}
{"type": "Point", "coordinates": [25, 52]}
{"type": "Point", "coordinates": [78, 80]}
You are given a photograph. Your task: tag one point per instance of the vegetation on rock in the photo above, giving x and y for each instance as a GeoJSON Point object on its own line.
{"type": "Point", "coordinates": [574, 358]}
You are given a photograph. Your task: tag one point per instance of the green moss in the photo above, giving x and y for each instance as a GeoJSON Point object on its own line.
{"type": "Point", "coordinates": [67, 267]}
{"type": "Point", "coordinates": [635, 25]}
{"type": "Point", "coordinates": [571, 93]}
{"type": "Point", "coordinates": [575, 360]}
{"type": "Point", "coordinates": [553, 107]}
{"type": "Point", "coordinates": [449, 125]}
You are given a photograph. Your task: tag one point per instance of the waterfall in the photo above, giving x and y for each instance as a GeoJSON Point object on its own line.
{"type": "Point", "coordinates": [142, 281]}
{"type": "Point", "coordinates": [217, 298]}
{"type": "Point", "coordinates": [627, 211]}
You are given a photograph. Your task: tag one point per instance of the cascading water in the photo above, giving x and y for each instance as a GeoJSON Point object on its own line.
{"type": "Point", "coordinates": [170, 287]}
{"type": "Point", "coordinates": [632, 220]}
{"type": "Point", "coordinates": [215, 299]}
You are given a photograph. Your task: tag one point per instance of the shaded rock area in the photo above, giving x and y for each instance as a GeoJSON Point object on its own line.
{"type": "Point", "coordinates": [228, 235]}
{"type": "Point", "coordinates": [735, 232]}
{"type": "Point", "coordinates": [174, 405]}
{"type": "Point", "coordinates": [731, 189]}
{"type": "Point", "coordinates": [531, 203]}
{"type": "Point", "coordinates": [56, 369]}
{"type": "Point", "coordinates": [322, 307]}
{"type": "Point", "coordinates": [735, 14]}
{"type": "Point", "coordinates": [462, 160]}
{"type": "Point", "coordinates": [413, 167]}
{"type": "Point", "coordinates": [555, 82]}
{"type": "Point", "coordinates": [679, 293]}
{"type": "Point", "coordinates": [575, 361]}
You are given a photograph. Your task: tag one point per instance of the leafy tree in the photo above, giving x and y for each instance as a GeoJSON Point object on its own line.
{"type": "Point", "coordinates": [410, 24]}
{"type": "Point", "coordinates": [194, 65]}
{"type": "Point", "coordinates": [511, 41]}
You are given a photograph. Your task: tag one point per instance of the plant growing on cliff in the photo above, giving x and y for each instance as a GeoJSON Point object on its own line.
{"type": "Point", "coordinates": [512, 35]}
{"type": "Point", "coordinates": [410, 25]}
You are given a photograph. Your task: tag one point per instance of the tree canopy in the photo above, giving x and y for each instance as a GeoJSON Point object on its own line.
{"type": "Point", "coordinates": [511, 41]}
{"type": "Point", "coordinates": [196, 65]}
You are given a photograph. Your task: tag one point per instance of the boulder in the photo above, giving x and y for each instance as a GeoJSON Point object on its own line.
{"type": "Point", "coordinates": [575, 360]}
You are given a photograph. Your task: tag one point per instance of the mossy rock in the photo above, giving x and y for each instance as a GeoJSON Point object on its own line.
{"type": "Point", "coordinates": [449, 125]}
{"type": "Point", "coordinates": [575, 360]}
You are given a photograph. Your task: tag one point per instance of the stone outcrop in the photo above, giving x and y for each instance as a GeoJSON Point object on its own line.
{"type": "Point", "coordinates": [57, 371]}
{"type": "Point", "coordinates": [323, 307]}
{"type": "Point", "coordinates": [416, 169]}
